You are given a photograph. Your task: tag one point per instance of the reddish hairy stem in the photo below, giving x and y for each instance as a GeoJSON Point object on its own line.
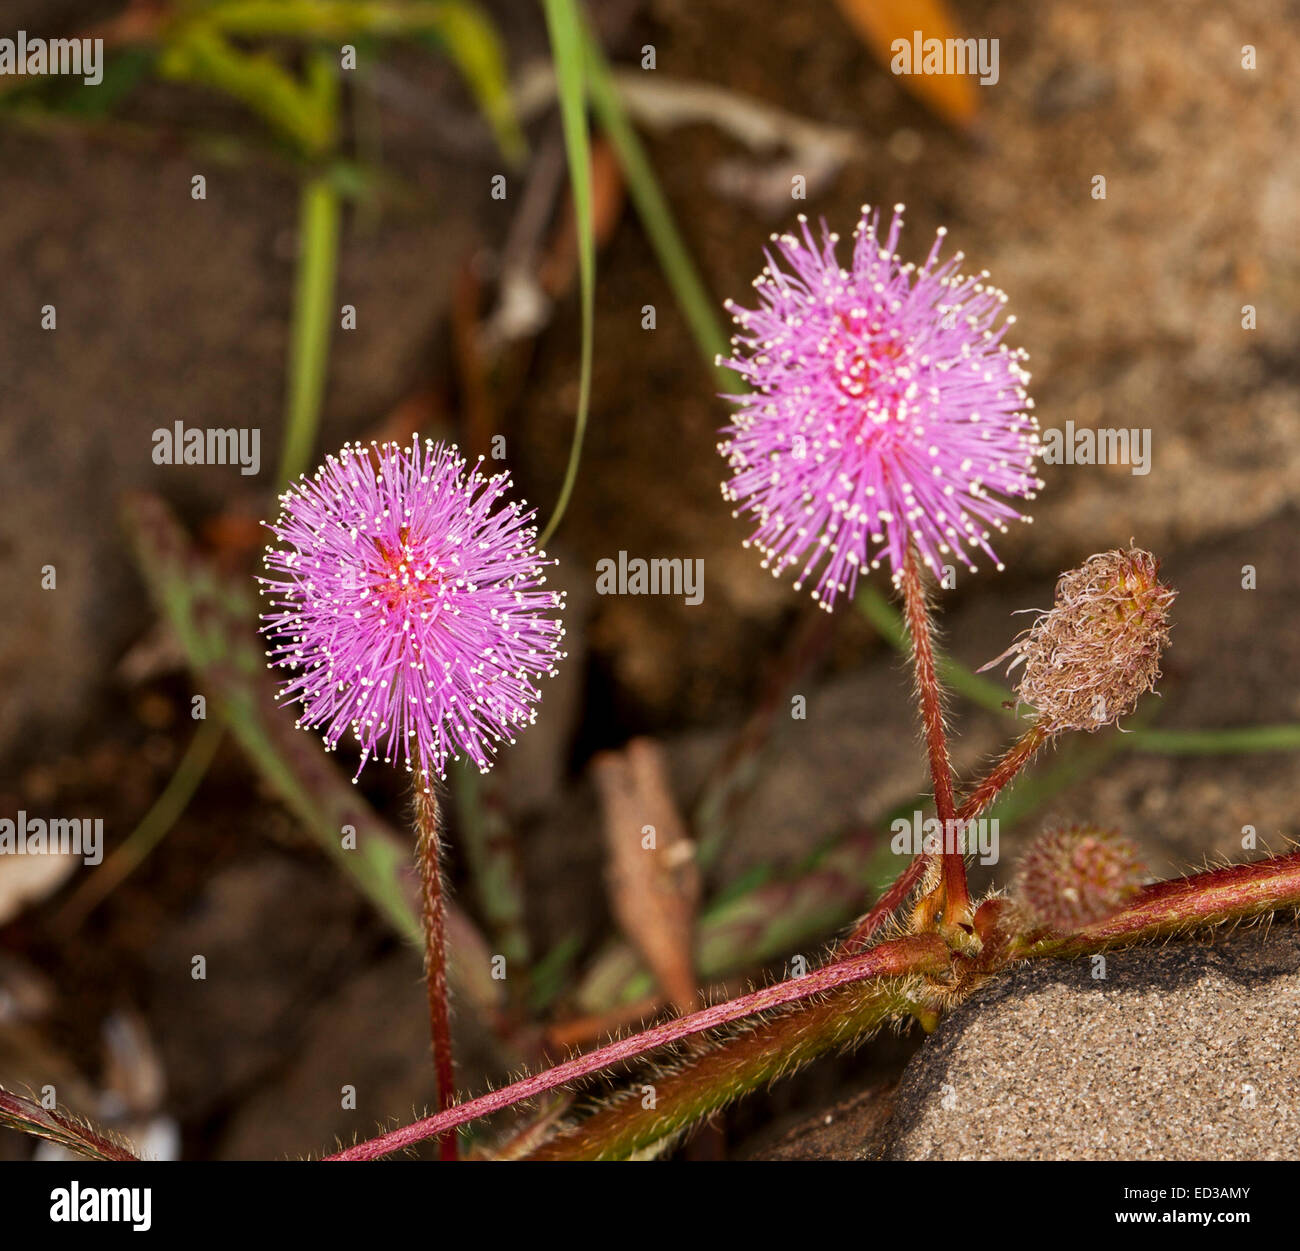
{"type": "Point", "coordinates": [688, 1093]}
{"type": "Point", "coordinates": [26, 1116]}
{"type": "Point", "coordinates": [917, 954]}
{"type": "Point", "coordinates": [702, 1085]}
{"type": "Point", "coordinates": [927, 685]}
{"type": "Point", "coordinates": [1233, 893]}
{"type": "Point", "coordinates": [903, 886]}
{"type": "Point", "coordinates": [957, 908]}
{"type": "Point", "coordinates": [1016, 757]}
{"type": "Point", "coordinates": [1019, 754]}
{"type": "Point", "coordinates": [1159, 910]}
{"type": "Point", "coordinates": [428, 823]}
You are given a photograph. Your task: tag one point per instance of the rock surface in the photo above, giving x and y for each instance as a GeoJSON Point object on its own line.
{"type": "Point", "coordinates": [1181, 1053]}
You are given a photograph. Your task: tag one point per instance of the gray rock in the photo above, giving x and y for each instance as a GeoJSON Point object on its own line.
{"type": "Point", "coordinates": [1182, 1052]}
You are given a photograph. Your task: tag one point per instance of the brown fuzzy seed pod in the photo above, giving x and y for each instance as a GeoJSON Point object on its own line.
{"type": "Point", "coordinates": [1089, 660]}
{"type": "Point", "coordinates": [1073, 876]}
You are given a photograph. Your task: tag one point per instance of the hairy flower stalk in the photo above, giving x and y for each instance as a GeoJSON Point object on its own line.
{"type": "Point", "coordinates": [407, 606]}
{"type": "Point", "coordinates": [1003, 773]}
{"type": "Point", "coordinates": [428, 854]}
{"type": "Point", "coordinates": [885, 907]}
{"type": "Point", "coordinates": [886, 417]}
{"type": "Point", "coordinates": [980, 797]}
{"type": "Point", "coordinates": [1087, 662]}
{"type": "Point", "coordinates": [953, 894]}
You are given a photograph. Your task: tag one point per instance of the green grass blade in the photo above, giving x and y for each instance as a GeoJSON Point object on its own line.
{"type": "Point", "coordinates": [565, 27]}
{"type": "Point", "coordinates": [313, 313]}
{"type": "Point", "coordinates": [199, 54]}
{"type": "Point", "coordinates": [458, 27]}
{"type": "Point", "coordinates": [1243, 740]}
{"type": "Point", "coordinates": [492, 856]}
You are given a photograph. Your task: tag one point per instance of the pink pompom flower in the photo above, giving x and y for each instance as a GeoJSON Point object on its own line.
{"type": "Point", "coordinates": [408, 604]}
{"type": "Point", "coordinates": [884, 409]}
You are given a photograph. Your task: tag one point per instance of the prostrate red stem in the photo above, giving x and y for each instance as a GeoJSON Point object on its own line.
{"type": "Point", "coordinates": [704, 1083]}
{"type": "Point", "coordinates": [1237, 892]}
{"type": "Point", "coordinates": [923, 953]}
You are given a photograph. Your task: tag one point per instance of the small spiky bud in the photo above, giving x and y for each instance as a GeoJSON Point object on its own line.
{"type": "Point", "coordinates": [1075, 875]}
{"type": "Point", "coordinates": [1089, 660]}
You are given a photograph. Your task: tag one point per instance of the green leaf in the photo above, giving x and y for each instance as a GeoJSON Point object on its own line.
{"type": "Point", "coordinates": [306, 114]}
{"type": "Point", "coordinates": [470, 39]}
{"type": "Point", "coordinates": [458, 27]}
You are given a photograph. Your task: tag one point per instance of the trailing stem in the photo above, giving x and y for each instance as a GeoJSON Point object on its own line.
{"type": "Point", "coordinates": [428, 823]}
{"type": "Point", "coordinates": [699, 1086]}
{"type": "Point", "coordinates": [55, 1125]}
{"type": "Point", "coordinates": [850, 999]}
{"type": "Point", "coordinates": [1234, 893]}
{"type": "Point", "coordinates": [854, 981]}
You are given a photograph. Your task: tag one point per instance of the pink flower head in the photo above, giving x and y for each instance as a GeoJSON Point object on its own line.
{"type": "Point", "coordinates": [407, 608]}
{"type": "Point", "coordinates": [884, 409]}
